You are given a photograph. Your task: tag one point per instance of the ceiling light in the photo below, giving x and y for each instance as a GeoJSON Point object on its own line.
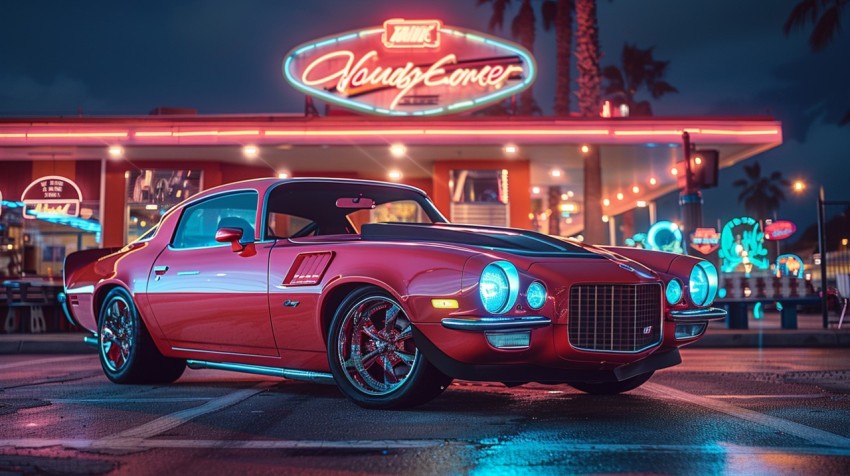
{"type": "Point", "coordinates": [283, 175]}
{"type": "Point", "coordinates": [116, 151]}
{"type": "Point", "coordinates": [398, 150]}
{"type": "Point", "coordinates": [394, 175]}
{"type": "Point", "coordinates": [620, 195]}
{"type": "Point", "coordinates": [606, 202]}
{"type": "Point", "coordinates": [555, 173]}
{"type": "Point", "coordinates": [570, 193]}
{"type": "Point", "coordinates": [564, 196]}
{"type": "Point", "coordinates": [652, 181]}
{"type": "Point", "coordinates": [511, 149]}
{"type": "Point", "coordinates": [635, 189]}
{"type": "Point", "coordinates": [674, 171]}
{"type": "Point", "coordinates": [641, 203]}
{"type": "Point", "coordinates": [585, 149]}
{"type": "Point", "coordinates": [535, 190]}
{"type": "Point", "coordinates": [605, 218]}
{"type": "Point", "coordinates": [250, 151]}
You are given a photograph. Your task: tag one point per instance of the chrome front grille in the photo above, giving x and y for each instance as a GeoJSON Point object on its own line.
{"type": "Point", "coordinates": [615, 317]}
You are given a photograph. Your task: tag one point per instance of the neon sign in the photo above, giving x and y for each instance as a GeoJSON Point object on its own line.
{"type": "Point", "coordinates": [705, 240]}
{"type": "Point", "coordinates": [410, 68]}
{"type": "Point", "coordinates": [51, 196]}
{"type": "Point", "coordinates": [742, 244]}
{"type": "Point", "coordinates": [789, 265]}
{"type": "Point", "coordinates": [401, 33]}
{"type": "Point", "coordinates": [664, 236]}
{"type": "Point", "coordinates": [779, 230]}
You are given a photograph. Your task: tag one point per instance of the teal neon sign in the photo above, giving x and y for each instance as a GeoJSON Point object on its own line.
{"type": "Point", "coordinates": [664, 236]}
{"type": "Point", "coordinates": [410, 68]}
{"type": "Point", "coordinates": [742, 246]}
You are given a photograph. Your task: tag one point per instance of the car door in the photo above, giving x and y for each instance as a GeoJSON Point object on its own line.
{"type": "Point", "coordinates": [207, 297]}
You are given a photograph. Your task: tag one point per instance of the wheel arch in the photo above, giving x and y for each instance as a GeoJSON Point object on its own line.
{"type": "Point", "coordinates": [336, 292]}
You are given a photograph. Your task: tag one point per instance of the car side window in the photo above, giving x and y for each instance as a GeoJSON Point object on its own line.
{"type": "Point", "coordinates": [200, 221]}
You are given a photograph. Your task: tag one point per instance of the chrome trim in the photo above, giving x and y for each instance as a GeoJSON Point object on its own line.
{"type": "Point", "coordinates": [479, 324]}
{"type": "Point", "coordinates": [80, 290]}
{"type": "Point", "coordinates": [292, 374]}
{"type": "Point", "coordinates": [219, 352]}
{"type": "Point", "coordinates": [188, 273]}
{"type": "Point", "coordinates": [91, 340]}
{"type": "Point", "coordinates": [705, 314]}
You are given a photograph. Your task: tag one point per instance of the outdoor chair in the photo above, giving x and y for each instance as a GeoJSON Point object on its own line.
{"type": "Point", "coordinates": [843, 286]}
{"type": "Point", "coordinates": [24, 297]}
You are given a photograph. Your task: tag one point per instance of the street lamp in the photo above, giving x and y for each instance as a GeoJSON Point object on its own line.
{"type": "Point", "coordinates": [799, 186]}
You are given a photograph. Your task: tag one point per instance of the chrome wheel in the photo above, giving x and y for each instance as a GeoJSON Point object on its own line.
{"type": "Point", "coordinates": [375, 346]}
{"type": "Point", "coordinates": [117, 334]}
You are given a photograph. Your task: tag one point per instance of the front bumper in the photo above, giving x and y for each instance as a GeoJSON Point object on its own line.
{"type": "Point", "coordinates": [705, 314]}
{"type": "Point", "coordinates": [516, 372]}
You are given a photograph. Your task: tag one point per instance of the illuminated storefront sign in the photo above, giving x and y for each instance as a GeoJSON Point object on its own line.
{"type": "Point", "coordinates": [410, 68]}
{"type": "Point", "coordinates": [779, 230]}
{"type": "Point", "coordinates": [742, 244]}
{"type": "Point", "coordinates": [664, 236]}
{"type": "Point", "coordinates": [52, 196]}
{"type": "Point", "coordinates": [705, 240]}
{"type": "Point", "coordinates": [789, 265]}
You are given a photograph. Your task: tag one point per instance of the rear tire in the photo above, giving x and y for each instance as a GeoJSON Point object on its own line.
{"type": "Point", "coordinates": [127, 352]}
{"type": "Point", "coordinates": [612, 388]}
{"type": "Point", "coordinates": [373, 357]}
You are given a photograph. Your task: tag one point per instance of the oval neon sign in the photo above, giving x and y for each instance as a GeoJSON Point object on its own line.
{"type": "Point", "coordinates": [410, 68]}
{"type": "Point", "coordinates": [779, 230]}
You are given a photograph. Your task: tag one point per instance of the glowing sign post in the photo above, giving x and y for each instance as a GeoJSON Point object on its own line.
{"type": "Point", "coordinates": [51, 196]}
{"type": "Point", "coordinates": [742, 243]}
{"type": "Point", "coordinates": [410, 68]}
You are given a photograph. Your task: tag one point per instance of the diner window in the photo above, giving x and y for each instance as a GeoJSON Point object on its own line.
{"type": "Point", "coordinates": [479, 197]}
{"type": "Point", "coordinates": [200, 221]}
{"type": "Point", "coordinates": [36, 245]}
{"type": "Point", "coordinates": [152, 192]}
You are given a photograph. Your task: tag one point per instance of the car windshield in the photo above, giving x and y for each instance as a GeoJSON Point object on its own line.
{"type": "Point", "coordinates": [298, 209]}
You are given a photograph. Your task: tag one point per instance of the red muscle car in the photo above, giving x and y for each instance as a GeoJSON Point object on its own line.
{"type": "Point", "coordinates": [366, 285]}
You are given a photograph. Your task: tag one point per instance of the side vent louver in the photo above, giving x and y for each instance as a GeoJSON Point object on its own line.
{"type": "Point", "coordinates": [308, 269]}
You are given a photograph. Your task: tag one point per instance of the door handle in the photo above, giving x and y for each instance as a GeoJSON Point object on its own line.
{"type": "Point", "coordinates": [160, 270]}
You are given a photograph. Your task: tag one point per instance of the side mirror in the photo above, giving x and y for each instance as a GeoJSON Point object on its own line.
{"type": "Point", "coordinates": [232, 236]}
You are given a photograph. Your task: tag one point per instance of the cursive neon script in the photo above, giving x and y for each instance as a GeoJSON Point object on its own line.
{"type": "Point", "coordinates": [356, 76]}
{"type": "Point", "coordinates": [48, 209]}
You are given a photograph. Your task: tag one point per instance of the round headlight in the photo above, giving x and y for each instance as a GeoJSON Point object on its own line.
{"type": "Point", "coordinates": [498, 287]}
{"type": "Point", "coordinates": [536, 295]}
{"type": "Point", "coordinates": [702, 285]}
{"type": "Point", "coordinates": [674, 291]}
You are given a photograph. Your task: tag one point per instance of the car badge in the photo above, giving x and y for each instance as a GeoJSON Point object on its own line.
{"type": "Point", "coordinates": [647, 330]}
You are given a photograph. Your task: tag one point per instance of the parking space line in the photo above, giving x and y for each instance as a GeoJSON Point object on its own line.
{"type": "Point", "coordinates": [173, 420]}
{"type": "Point", "coordinates": [130, 400]}
{"type": "Point", "coordinates": [768, 396]}
{"type": "Point", "coordinates": [50, 360]}
{"type": "Point", "coordinates": [813, 435]}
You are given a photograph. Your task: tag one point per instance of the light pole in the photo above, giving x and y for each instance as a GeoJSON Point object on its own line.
{"type": "Point", "coordinates": [822, 251]}
{"type": "Point", "coordinates": [690, 198]}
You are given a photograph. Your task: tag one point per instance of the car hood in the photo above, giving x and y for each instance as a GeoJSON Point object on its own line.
{"type": "Point", "coordinates": [512, 240]}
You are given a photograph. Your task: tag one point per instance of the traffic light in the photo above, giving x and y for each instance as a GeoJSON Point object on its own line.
{"type": "Point", "coordinates": [704, 166]}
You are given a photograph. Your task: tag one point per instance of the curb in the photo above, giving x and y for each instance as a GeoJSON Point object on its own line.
{"type": "Point", "coordinates": [773, 339]}
{"type": "Point", "coordinates": [66, 344]}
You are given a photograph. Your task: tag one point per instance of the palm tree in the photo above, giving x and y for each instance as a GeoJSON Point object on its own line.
{"type": "Point", "coordinates": [559, 15]}
{"type": "Point", "coordinates": [825, 15]}
{"type": "Point", "coordinates": [589, 85]}
{"type": "Point", "coordinates": [638, 69]}
{"type": "Point", "coordinates": [523, 30]}
{"type": "Point", "coordinates": [761, 196]}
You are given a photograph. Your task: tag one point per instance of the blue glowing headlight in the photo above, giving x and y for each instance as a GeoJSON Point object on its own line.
{"type": "Point", "coordinates": [674, 291]}
{"type": "Point", "coordinates": [702, 285]}
{"type": "Point", "coordinates": [535, 296]}
{"type": "Point", "coordinates": [498, 287]}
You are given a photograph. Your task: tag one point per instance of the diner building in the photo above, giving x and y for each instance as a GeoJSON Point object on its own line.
{"type": "Point", "coordinates": [71, 183]}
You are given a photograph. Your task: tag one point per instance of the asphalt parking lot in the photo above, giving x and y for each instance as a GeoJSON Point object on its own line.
{"type": "Point", "coordinates": [740, 411]}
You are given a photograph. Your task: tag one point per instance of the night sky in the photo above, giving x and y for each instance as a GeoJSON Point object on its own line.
{"type": "Point", "coordinates": [728, 57]}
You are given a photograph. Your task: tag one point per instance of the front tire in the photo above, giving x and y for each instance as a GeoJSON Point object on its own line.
{"type": "Point", "coordinates": [612, 388]}
{"type": "Point", "coordinates": [373, 357]}
{"type": "Point", "coordinates": [127, 352]}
